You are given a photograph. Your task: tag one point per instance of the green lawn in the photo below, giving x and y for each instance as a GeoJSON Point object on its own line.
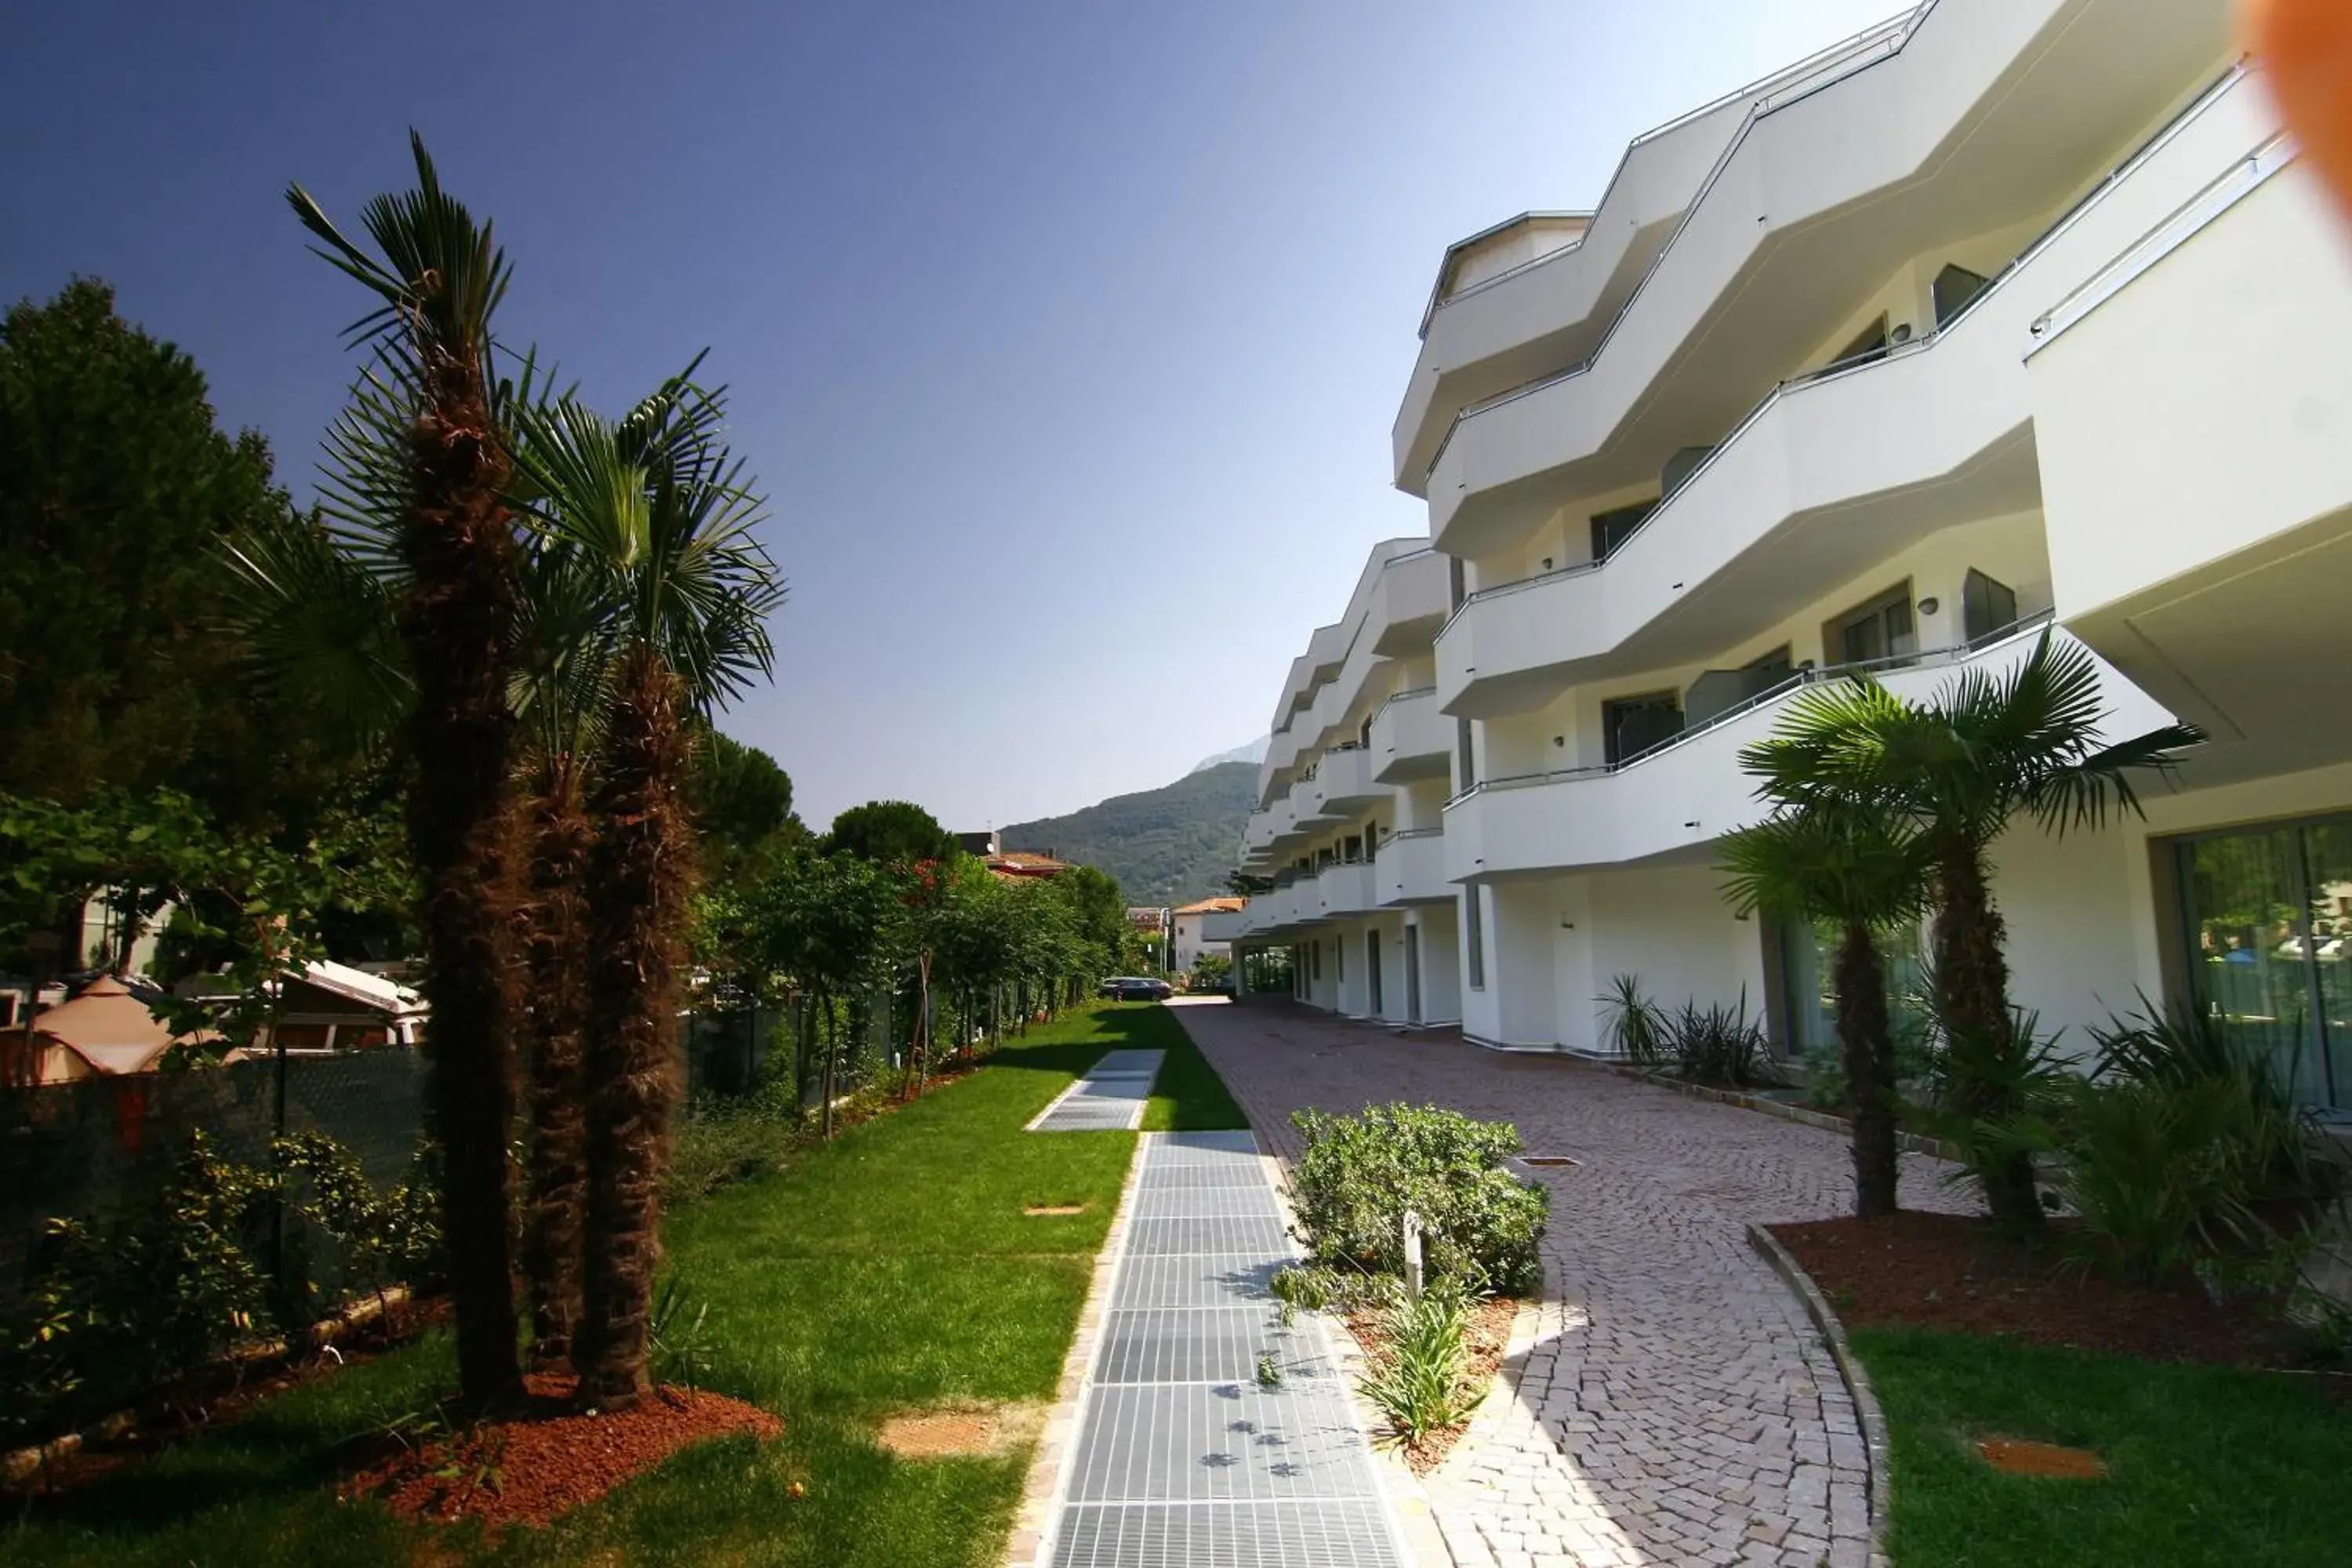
{"type": "Point", "coordinates": [893, 1269]}
{"type": "Point", "coordinates": [2208, 1464]}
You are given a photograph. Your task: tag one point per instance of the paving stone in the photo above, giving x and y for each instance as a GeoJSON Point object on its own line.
{"type": "Point", "coordinates": [1675, 1392]}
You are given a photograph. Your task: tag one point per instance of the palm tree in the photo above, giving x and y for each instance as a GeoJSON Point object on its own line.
{"type": "Point", "coordinates": [1867, 873]}
{"type": "Point", "coordinates": [438, 463]}
{"type": "Point", "coordinates": [1960, 767]}
{"type": "Point", "coordinates": [656, 513]}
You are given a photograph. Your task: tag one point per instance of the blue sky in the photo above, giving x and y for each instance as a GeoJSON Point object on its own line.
{"type": "Point", "coordinates": [1065, 337]}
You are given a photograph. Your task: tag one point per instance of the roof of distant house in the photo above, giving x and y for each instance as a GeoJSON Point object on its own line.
{"type": "Point", "coordinates": [1214, 907]}
{"type": "Point", "coordinates": [1025, 863]}
{"type": "Point", "coordinates": [109, 1029]}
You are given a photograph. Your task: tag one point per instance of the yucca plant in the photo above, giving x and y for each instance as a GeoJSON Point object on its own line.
{"type": "Point", "coordinates": [1636, 1026]}
{"type": "Point", "coordinates": [1422, 1385]}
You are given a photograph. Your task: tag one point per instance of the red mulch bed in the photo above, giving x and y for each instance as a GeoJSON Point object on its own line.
{"type": "Point", "coordinates": [1487, 1341]}
{"type": "Point", "coordinates": [1960, 1274]}
{"type": "Point", "coordinates": [551, 1457]}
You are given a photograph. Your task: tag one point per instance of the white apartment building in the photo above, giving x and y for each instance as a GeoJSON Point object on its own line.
{"type": "Point", "coordinates": [2004, 314]}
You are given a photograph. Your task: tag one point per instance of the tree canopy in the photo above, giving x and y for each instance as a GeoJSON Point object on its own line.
{"type": "Point", "coordinates": [893, 832]}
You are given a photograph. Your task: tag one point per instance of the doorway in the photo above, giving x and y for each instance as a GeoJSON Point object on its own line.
{"type": "Point", "coordinates": [1372, 968]}
{"type": "Point", "coordinates": [1412, 976]}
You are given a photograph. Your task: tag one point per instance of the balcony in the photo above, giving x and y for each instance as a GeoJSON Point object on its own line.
{"type": "Point", "coordinates": [2190, 411]}
{"type": "Point", "coordinates": [1411, 868]}
{"type": "Point", "coordinates": [1411, 738]}
{"type": "Point", "coordinates": [1344, 888]}
{"type": "Point", "coordinates": [1224, 925]}
{"type": "Point", "coordinates": [1678, 797]}
{"type": "Point", "coordinates": [1490, 327]}
{"type": "Point", "coordinates": [1831, 471]}
{"type": "Point", "coordinates": [1342, 785]}
{"type": "Point", "coordinates": [1985, 115]}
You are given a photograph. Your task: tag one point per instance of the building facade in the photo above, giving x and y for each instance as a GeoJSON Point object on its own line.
{"type": "Point", "coordinates": [2007, 316]}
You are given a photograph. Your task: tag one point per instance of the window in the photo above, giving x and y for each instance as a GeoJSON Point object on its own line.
{"type": "Point", "coordinates": [1985, 606]}
{"type": "Point", "coordinates": [1474, 932]}
{"type": "Point", "coordinates": [1466, 768]}
{"type": "Point", "coordinates": [1884, 630]}
{"type": "Point", "coordinates": [1364, 733]}
{"type": "Point", "coordinates": [1955, 287]}
{"type": "Point", "coordinates": [1456, 586]}
{"type": "Point", "coordinates": [1315, 961]}
{"type": "Point", "coordinates": [1868, 345]}
{"type": "Point", "coordinates": [1808, 954]}
{"type": "Point", "coordinates": [1631, 725]}
{"type": "Point", "coordinates": [1615, 526]}
{"type": "Point", "coordinates": [1339, 961]}
{"type": "Point", "coordinates": [2268, 947]}
{"type": "Point", "coordinates": [1681, 466]}
{"type": "Point", "coordinates": [1353, 850]}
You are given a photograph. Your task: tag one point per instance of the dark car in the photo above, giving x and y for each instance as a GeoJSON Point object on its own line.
{"type": "Point", "coordinates": [1109, 989]}
{"type": "Point", "coordinates": [1137, 988]}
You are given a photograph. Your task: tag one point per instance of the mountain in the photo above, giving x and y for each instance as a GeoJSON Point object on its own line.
{"type": "Point", "coordinates": [1253, 753]}
{"type": "Point", "coordinates": [1166, 846]}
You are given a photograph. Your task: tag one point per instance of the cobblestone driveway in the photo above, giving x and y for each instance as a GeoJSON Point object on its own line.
{"type": "Point", "coordinates": [1675, 1407]}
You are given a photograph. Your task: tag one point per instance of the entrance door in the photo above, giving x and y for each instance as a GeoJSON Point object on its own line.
{"type": "Point", "coordinates": [1412, 976]}
{"type": "Point", "coordinates": [2269, 920]}
{"type": "Point", "coordinates": [1372, 968]}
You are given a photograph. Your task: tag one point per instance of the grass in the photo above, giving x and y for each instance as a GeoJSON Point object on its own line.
{"type": "Point", "coordinates": [1189, 1095]}
{"type": "Point", "coordinates": [892, 1269]}
{"type": "Point", "coordinates": [2206, 1464]}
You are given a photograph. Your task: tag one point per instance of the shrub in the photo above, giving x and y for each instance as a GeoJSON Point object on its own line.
{"type": "Point", "coordinates": [1361, 1174]}
{"type": "Point", "coordinates": [1422, 1385]}
{"type": "Point", "coordinates": [1720, 1045]}
{"type": "Point", "coordinates": [1636, 1026]}
{"type": "Point", "coordinates": [722, 1138]}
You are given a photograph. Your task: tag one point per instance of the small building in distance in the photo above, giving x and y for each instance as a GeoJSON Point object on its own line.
{"type": "Point", "coordinates": [1188, 941]}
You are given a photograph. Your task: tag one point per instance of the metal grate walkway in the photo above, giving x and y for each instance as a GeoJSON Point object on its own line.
{"type": "Point", "coordinates": [1183, 1457]}
{"type": "Point", "coordinates": [1109, 1098]}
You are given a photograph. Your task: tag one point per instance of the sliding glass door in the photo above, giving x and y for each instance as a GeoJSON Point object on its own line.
{"type": "Point", "coordinates": [2268, 923]}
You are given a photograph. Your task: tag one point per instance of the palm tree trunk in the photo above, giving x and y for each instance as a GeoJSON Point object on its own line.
{"type": "Point", "coordinates": [1867, 1043]}
{"type": "Point", "coordinates": [560, 839]}
{"type": "Point", "coordinates": [640, 877]}
{"type": "Point", "coordinates": [458, 620]}
{"type": "Point", "coordinates": [1972, 977]}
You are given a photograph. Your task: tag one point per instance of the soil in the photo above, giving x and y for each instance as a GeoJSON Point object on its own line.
{"type": "Point", "coordinates": [548, 1459]}
{"type": "Point", "coordinates": [1485, 1342]}
{"type": "Point", "coordinates": [1960, 1274]}
{"type": "Point", "coordinates": [2020, 1457]}
{"type": "Point", "coordinates": [1052, 1211]}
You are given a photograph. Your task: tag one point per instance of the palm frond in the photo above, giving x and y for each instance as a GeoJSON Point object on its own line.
{"type": "Point", "coordinates": [2081, 793]}
{"type": "Point", "coordinates": [441, 276]}
{"type": "Point", "coordinates": [1844, 862]}
{"type": "Point", "coordinates": [319, 624]}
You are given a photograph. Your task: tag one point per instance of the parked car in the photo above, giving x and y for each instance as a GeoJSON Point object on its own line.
{"type": "Point", "coordinates": [1141, 988]}
{"type": "Point", "coordinates": [1108, 989]}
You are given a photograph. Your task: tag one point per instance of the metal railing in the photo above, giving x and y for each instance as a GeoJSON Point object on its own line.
{"type": "Point", "coordinates": [1821, 675]}
{"type": "Point", "coordinates": [1769, 105]}
{"type": "Point", "coordinates": [1821, 375]}
{"type": "Point", "coordinates": [1886, 38]}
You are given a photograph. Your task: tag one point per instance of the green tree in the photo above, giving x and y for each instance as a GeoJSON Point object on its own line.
{"type": "Point", "coordinates": [654, 510]}
{"type": "Point", "coordinates": [1098, 915]}
{"type": "Point", "coordinates": [422, 451]}
{"type": "Point", "coordinates": [116, 491]}
{"type": "Point", "coordinates": [894, 832]}
{"type": "Point", "coordinates": [1867, 873]}
{"type": "Point", "coordinates": [743, 806]}
{"type": "Point", "coordinates": [1959, 768]}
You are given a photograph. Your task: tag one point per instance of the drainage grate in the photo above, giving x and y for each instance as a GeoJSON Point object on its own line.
{"type": "Point", "coordinates": [1546, 1160]}
{"type": "Point", "coordinates": [1109, 1098]}
{"type": "Point", "coordinates": [1201, 1345]}
{"type": "Point", "coordinates": [1229, 1173]}
{"type": "Point", "coordinates": [1263, 1235]}
{"type": "Point", "coordinates": [1206, 1202]}
{"type": "Point", "coordinates": [1198, 1280]}
{"type": "Point", "coordinates": [1208, 1445]}
{"type": "Point", "coordinates": [1225, 1535]}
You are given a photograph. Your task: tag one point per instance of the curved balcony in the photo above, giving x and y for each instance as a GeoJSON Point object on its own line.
{"type": "Point", "coordinates": [1485, 333]}
{"type": "Point", "coordinates": [1410, 869]}
{"type": "Point", "coordinates": [1344, 888]}
{"type": "Point", "coordinates": [1411, 739]}
{"type": "Point", "coordinates": [1343, 785]}
{"type": "Point", "coordinates": [2017, 102]}
{"type": "Point", "coordinates": [1830, 471]}
{"type": "Point", "coordinates": [1678, 797]}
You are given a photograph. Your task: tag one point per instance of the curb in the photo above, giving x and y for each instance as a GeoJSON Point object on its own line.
{"type": "Point", "coordinates": [1028, 1546]}
{"type": "Point", "coordinates": [1849, 1372]}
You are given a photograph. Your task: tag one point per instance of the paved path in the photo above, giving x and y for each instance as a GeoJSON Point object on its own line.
{"type": "Point", "coordinates": [1183, 1456]}
{"type": "Point", "coordinates": [1675, 1406]}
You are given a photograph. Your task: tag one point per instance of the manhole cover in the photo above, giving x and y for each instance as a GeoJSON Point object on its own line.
{"type": "Point", "coordinates": [1546, 1160]}
{"type": "Point", "coordinates": [2020, 1458]}
{"type": "Point", "coordinates": [1048, 1211]}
